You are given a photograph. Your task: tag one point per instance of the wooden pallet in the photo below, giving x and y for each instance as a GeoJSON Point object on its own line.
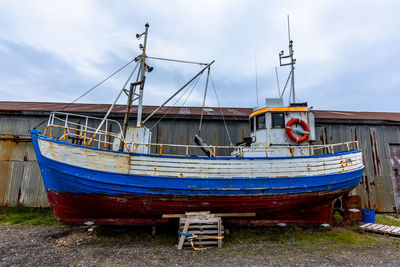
{"type": "Point", "coordinates": [381, 229]}
{"type": "Point", "coordinates": [201, 224]}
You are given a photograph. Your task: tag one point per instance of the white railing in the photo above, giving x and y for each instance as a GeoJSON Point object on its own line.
{"type": "Point", "coordinates": [213, 150]}
{"type": "Point", "coordinates": [86, 132]}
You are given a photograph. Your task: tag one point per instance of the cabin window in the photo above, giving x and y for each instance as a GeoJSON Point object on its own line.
{"type": "Point", "coordinates": [260, 122]}
{"type": "Point", "coordinates": [278, 120]}
{"type": "Point", "coordinates": [252, 120]}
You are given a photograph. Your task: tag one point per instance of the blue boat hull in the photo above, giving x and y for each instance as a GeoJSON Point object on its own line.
{"type": "Point", "coordinates": [79, 194]}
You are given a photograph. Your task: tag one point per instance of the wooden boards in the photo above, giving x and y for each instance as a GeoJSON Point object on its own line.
{"type": "Point", "coordinates": [381, 229]}
{"type": "Point", "coordinates": [243, 167]}
{"type": "Point", "coordinates": [242, 214]}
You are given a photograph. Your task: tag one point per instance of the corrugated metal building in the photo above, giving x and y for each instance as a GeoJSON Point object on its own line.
{"type": "Point", "coordinates": [379, 136]}
{"type": "Point", "coordinates": [378, 133]}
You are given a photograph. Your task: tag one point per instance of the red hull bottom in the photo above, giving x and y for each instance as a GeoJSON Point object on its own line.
{"type": "Point", "coordinates": [76, 209]}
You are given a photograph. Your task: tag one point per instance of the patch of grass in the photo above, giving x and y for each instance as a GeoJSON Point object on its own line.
{"type": "Point", "coordinates": [301, 237]}
{"type": "Point", "coordinates": [345, 236]}
{"type": "Point", "coordinates": [27, 216]}
{"type": "Point", "coordinates": [388, 220]}
{"type": "Point", "coordinates": [338, 217]}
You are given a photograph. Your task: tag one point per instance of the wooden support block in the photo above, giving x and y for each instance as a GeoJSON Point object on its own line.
{"type": "Point", "coordinates": [197, 213]}
{"type": "Point", "coordinates": [182, 239]}
{"type": "Point", "coordinates": [153, 230]}
{"type": "Point", "coordinates": [206, 228]}
{"type": "Point", "coordinates": [202, 221]}
{"type": "Point", "coordinates": [200, 226]}
{"type": "Point", "coordinates": [205, 213]}
{"type": "Point", "coordinates": [173, 216]}
{"type": "Point", "coordinates": [219, 232]}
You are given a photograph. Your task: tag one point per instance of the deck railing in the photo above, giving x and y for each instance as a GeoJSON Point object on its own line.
{"type": "Point", "coordinates": [213, 150]}
{"type": "Point", "coordinates": [83, 130]}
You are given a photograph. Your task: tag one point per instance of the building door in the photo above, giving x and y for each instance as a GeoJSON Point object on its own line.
{"type": "Point", "coordinates": [395, 159]}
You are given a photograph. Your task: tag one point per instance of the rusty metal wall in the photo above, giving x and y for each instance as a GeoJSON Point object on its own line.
{"type": "Point", "coordinates": [376, 187]}
{"type": "Point", "coordinates": [20, 179]}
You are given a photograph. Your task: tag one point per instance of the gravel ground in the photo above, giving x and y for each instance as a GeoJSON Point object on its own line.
{"type": "Point", "coordinates": [122, 246]}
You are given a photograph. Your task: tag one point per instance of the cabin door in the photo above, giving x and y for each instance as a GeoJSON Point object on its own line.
{"type": "Point", "coordinates": [395, 159]}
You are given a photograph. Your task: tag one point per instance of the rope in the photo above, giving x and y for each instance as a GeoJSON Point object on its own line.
{"type": "Point", "coordinates": [91, 89]}
{"type": "Point", "coordinates": [220, 109]}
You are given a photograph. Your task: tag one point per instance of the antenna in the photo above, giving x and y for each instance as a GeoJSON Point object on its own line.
{"type": "Point", "coordinates": [288, 27]}
{"type": "Point", "coordinates": [293, 61]}
{"type": "Point", "coordinates": [255, 63]}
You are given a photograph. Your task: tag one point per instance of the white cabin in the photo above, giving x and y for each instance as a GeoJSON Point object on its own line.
{"type": "Point", "coordinates": [270, 126]}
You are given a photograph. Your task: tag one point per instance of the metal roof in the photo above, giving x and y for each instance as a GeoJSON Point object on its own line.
{"type": "Point", "coordinates": [185, 111]}
{"type": "Point", "coordinates": [357, 115]}
{"type": "Point", "coordinates": [102, 108]}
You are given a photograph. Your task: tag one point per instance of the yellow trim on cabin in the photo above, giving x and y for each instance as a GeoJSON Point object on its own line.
{"type": "Point", "coordinates": [278, 109]}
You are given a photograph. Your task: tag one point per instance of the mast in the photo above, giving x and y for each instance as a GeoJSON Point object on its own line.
{"type": "Point", "coordinates": [291, 60]}
{"type": "Point", "coordinates": [143, 72]}
{"type": "Point", "coordinates": [291, 63]}
{"type": "Point", "coordinates": [132, 88]}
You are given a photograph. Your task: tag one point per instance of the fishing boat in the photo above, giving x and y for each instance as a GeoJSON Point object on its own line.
{"type": "Point", "coordinates": [99, 172]}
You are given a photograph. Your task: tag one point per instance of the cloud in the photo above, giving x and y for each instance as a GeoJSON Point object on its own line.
{"type": "Point", "coordinates": [344, 51]}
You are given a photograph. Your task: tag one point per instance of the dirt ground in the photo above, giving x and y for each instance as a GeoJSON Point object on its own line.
{"type": "Point", "coordinates": [124, 246]}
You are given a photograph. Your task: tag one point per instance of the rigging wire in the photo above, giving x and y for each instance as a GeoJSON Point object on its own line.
{"type": "Point", "coordinates": [192, 85]}
{"type": "Point", "coordinates": [177, 60]}
{"type": "Point", "coordinates": [91, 89]}
{"type": "Point", "coordinates": [184, 102]}
{"type": "Point", "coordinates": [284, 88]}
{"type": "Point", "coordinates": [277, 82]}
{"type": "Point", "coordinates": [220, 109]}
{"type": "Point", "coordinates": [112, 106]}
{"type": "Point", "coordinates": [204, 100]}
{"type": "Point", "coordinates": [97, 85]}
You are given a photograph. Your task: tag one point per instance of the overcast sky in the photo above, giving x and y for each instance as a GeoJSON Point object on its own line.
{"type": "Point", "coordinates": [347, 51]}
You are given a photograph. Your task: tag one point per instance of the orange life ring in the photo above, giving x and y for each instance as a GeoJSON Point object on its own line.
{"type": "Point", "coordinates": [289, 132]}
